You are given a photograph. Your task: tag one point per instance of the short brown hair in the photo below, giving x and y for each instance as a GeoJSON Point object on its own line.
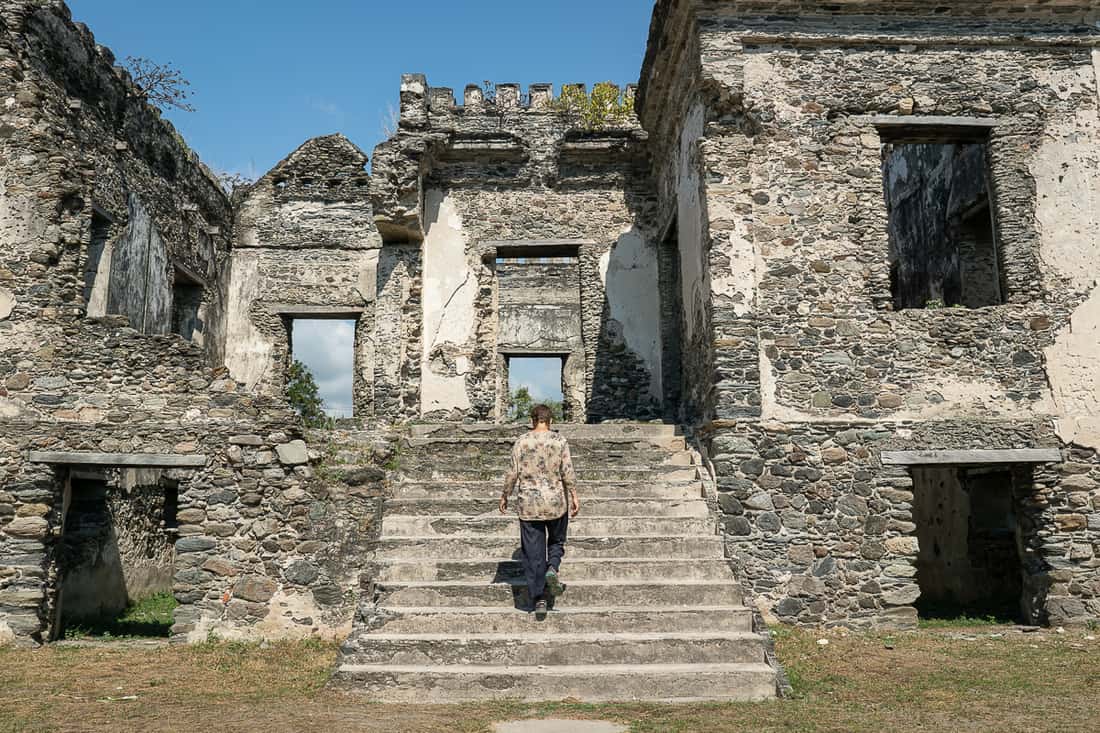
{"type": "Point", "coordinates": [541, 414]}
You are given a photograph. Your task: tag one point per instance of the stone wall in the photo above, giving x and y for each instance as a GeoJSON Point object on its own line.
{"type": "Point", "coordinates": [793, 116]}
{"type": "Point", "coordinates": [495, 173]}
{"type": "Point", "coordinates": [263, 548]}
{"type": "Point", "coordinates": [305, 247]}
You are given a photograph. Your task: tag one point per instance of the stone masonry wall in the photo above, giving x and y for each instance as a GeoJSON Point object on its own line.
{"type": "Point", "coordinates": [306, 247]}
{"type": "Point", "coordinates": [811, 361]}
{"type": "Point", "coordinates": [468, 179]}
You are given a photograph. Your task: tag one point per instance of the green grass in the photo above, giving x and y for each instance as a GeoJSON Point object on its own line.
{"type": "Point", "coordinates": [148, 617]}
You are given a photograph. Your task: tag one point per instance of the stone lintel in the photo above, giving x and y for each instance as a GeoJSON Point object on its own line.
{"type": "Point", "coordinates": [128, 460]}
{"type": "Point", "coordinates": [316, 311]}
{"type": "Point", "coordinates": [970, 457]}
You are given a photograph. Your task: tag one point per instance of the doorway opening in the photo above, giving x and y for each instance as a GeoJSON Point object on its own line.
{"type": "Point", "coordinates": [325, 348]}
{"type": "Point", "coordinates": [186, 301]}
{"type": "Point", "coordinates": [116, 556]}
{"type": "Point", "coordinates": [969, 562]}
{"type": "Point", "coordinates": [532, 380]}
{"type": "Point", "coordinates": [672, 298]}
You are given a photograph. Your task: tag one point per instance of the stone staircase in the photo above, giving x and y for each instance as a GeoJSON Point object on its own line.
{"type": "Point", "coordinates": [652, 610]}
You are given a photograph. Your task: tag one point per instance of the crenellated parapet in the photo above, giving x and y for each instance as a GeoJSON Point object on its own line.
{"type": "Point", "coordinates": [496, 131]}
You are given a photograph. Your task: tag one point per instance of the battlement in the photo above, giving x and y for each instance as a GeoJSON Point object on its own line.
{"type": "Point", "coordinates": [418, 99]}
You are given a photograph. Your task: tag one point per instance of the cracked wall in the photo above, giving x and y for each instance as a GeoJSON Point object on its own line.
{"type": "Point", "coordinates": [814, 372]}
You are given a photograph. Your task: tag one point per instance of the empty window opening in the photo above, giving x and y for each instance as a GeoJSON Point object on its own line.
{"type": "Point", "coordinates": [186, 301]}
{"type": "Point", "coordinates": [943, 245]}
{"type": "Point", "coordinates": [534, 380]}
{"type": "Point", "coordinates": [101, 231]}
{"type": "Point", "coordinates": [326, 350]}
{"type": "Point", "coordinates": [969, 561]}
{"type": "Point", "coordinates": [115, 558]}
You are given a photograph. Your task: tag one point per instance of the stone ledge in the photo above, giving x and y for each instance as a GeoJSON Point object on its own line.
{"type": "Point", "coordinates": [130, 460]}
{"type": "Point", "coordinates": [970, 457]}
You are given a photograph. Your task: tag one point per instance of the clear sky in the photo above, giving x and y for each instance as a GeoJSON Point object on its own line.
{"type": "Point", "coordinates": [269, 74]}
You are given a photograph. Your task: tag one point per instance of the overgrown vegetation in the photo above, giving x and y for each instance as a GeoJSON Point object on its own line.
{"type": "Point", "coordinates": [520, 403]}
{"type": "Point", "coordinates": [599, 109]}
{"type": "Point", "coordinates": [148, 617]}
{"type": "Point", "coordinates": [163, 85]}
{"type": "Point", "coordinates": [302, 394]}
{"type": "Point", "coordinates": [986, 679]}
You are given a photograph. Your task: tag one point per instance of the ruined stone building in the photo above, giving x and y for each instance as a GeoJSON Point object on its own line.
{"type": "Point", "coordinates": [846, 253]}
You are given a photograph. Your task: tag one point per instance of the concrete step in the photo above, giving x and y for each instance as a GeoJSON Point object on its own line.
{"type": "Point", "coordinates": [500, 456]}
{"type": "Point", "coordinates": [571, 570]}
{"type": "Point", "coordinates": [396, 525]}
{"type": "Point", "coordinates": [588, 683]}
{"type": "Point", "coordinates": [579, 593]}
{"type": "Point", "coordinates": [554, 649]}
{"type": "Point", "coordinates": [578, 445]}
{"type": "Point", "coordinates": [569, 430]}
{"type": "Point", "coordinates": [587, 489]}
{"type": "Point", "coordinates": [563, 620]}
{"type": "Point", "coordinates": [617, 507]}
{"type": "Point", "coordinates": [703, 547]}
{"type": "Point", "coordinates": [607, 473]}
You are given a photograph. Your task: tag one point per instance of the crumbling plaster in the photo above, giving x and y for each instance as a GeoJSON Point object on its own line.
{"type": "Point", "coordinates": [448, 297]}
{"type": "Point", "coordinates": [629, 274]}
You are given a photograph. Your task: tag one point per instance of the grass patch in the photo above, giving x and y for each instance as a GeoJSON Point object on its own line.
{"type": "Point", "coordinates": [959, 622]}
{"type": "Point", "coordinates": [148, 617]}
{"type": "Point", "coordinates": [923, 680]}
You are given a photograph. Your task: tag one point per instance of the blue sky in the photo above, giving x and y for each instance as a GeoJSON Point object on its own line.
{"type": "Point", "coordinates": [269, 74]}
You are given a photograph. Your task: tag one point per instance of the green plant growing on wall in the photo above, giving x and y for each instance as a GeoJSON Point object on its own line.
{"type": "Point", "coordinates": [301, 393]}
{"type": "Point", "coordinates": [602, 108]}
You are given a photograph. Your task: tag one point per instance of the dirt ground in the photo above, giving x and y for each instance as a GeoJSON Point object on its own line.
{"type": "Point", "coordinates": [983, 679]}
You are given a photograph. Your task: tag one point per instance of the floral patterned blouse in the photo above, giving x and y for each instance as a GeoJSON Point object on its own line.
{"type": "Point", "coordinates": [541, 474]}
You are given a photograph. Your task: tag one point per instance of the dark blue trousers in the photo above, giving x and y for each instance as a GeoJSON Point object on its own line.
{"type": "Point", "coordinates": [543, 544]}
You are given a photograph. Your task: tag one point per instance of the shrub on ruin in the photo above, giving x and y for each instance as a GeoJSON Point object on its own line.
{"type": "Point", "coordinates": [599, 109]}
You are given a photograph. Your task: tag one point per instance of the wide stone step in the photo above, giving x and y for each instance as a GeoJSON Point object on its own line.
{"type": "Point", "coordinates": [703, 547]}
{"type": "Point", "coordinates": [578, 445]}
{"type": "Point", "coordinates": [617, 507]}
{"type": "Point", "coordinates": [513, 591]}
{"type": "Point", "coordinates": [451, 526]}
{"type": "Point", "coordinates": [569, 430]}
{"type": "Point", "coordinates": [499, 456]}
{"type": "Point", "coordinates": [460, 472]}
{"type": "Point", "coordinates": [571, 570]}
{"type": "Point", "coordinates": [588, 683]}
{"type": "Point", "coordinates": [587, 489]}
{"type": "Point", "coordinates": [562, 620]}
{"type": "Point", "coordinates": [554, 649]}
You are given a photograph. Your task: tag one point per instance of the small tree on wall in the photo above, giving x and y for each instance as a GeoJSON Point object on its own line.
{"type": "Point", "coordinates": [164, 86]}
{"type": "Point", "coordinates": [301, 393]}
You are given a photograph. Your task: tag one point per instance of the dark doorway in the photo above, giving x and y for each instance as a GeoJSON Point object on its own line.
{"type": "Point", "coordinates": [186, 300]}
{"type": "Point", "coordinates": [93, 586]}
{"type": "Point", "coordinates": [969, 562]}
{"type": "Point", "coordinates": [672, 316]}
